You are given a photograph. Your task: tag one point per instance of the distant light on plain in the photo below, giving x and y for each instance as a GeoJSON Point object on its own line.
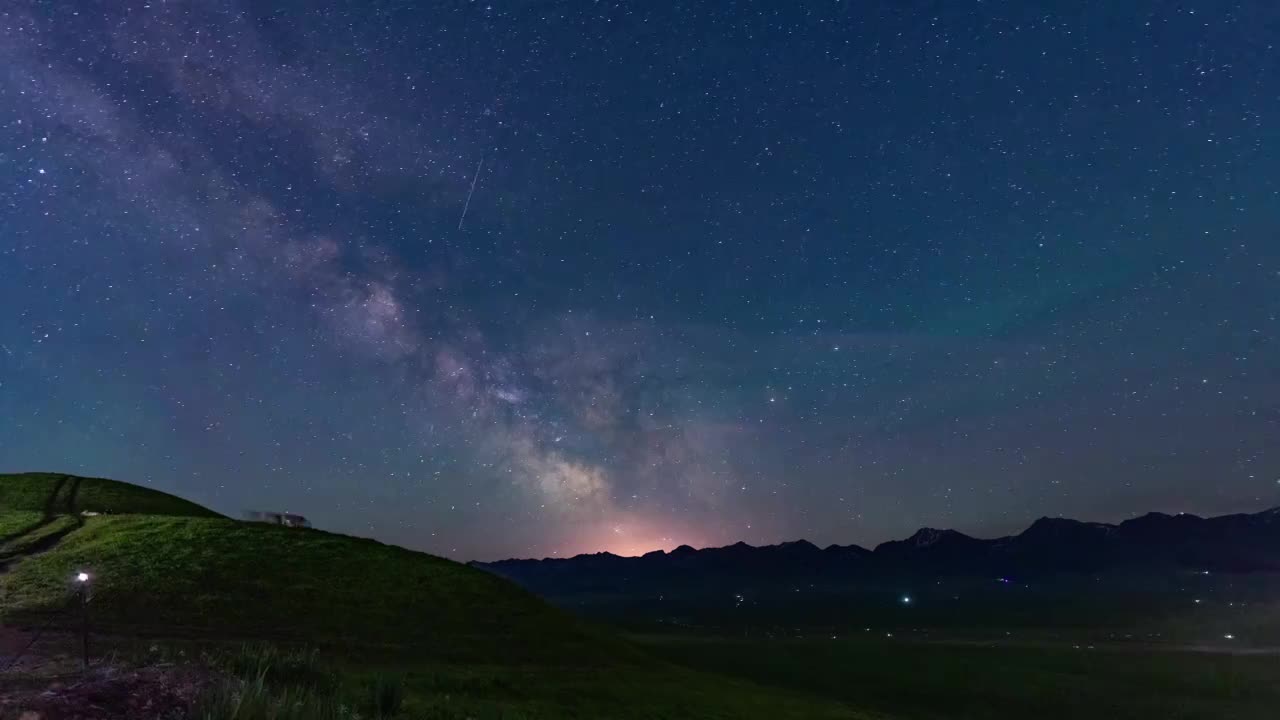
{"type": "Point", "coordinates": [905, 599]}
{"type": "Point", "coordinates": [1228, 636]}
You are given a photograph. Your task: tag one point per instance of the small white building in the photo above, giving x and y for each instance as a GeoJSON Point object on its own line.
{"type": "Point", "coordinates": [278, 518]}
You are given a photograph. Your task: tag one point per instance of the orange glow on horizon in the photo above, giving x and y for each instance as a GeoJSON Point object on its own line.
{"type": "Point", "coordinates": [631, 537]}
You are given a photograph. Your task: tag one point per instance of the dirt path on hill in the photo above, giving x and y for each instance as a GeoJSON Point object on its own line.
{"type": "Point", "coordinates": [48, 516]}
{"type": "Point", "coordinates": [13, 640]}
{"type": "Point", "coordinates": [51, 514]}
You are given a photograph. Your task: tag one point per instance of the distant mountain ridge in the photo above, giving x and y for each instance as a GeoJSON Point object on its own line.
{"type": "Point", "coordinates": [1155, 541]}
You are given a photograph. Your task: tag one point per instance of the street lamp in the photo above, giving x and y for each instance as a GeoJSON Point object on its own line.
{"type": "Point", "coordinates": [82, 580]}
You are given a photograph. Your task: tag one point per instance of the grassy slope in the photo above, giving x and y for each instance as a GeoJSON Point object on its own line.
{"type": "Point", "coordinates": [211, 575]}
{"type": "Point", "coordinates": [26, 491]}
{"type": "Point", "coordinates": [16, 521]}
{"type": "Point", "coordinates": [29, 540]}
{"type": "Point", "coordinates": [470, 644]}
{"type": "Point", "coordinates": [32, 492]}
{"type": "Point", "coordinates": [930, 681]}
{"type": "Point", "coordinates": [171, 566]}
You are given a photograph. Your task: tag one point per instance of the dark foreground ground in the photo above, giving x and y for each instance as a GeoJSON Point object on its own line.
{"type": "Point", "coordinates": [157, 679]}
{"type": "Point", "coordinates": [970, 681]}
{"type": "Point", "coordinates": [710, 677]}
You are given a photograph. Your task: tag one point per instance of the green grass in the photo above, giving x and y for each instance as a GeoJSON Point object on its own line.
{"type": "Point", "coordinates": [935, 681]}
{"type": "Point", "coordinates": [33, 492]}
{"type": "Point", "coordinates": [27, 541]}
{"type": "Point", "coordinates": [646, 692]}
{"type": "Point", "coordinates": [249, 580]}
{"type": "Point", "coordinates": [13, 522]}
{"type": "Point", "coordinates": [262, 683]}
{"type": "Point", "coordinates": [236, 699]}
{"type": "Point", "coordinates": [27, 491]}
{"type": "Point", "coordinates": [259, 682]}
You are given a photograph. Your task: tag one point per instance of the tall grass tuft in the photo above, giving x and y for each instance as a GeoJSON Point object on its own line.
{"type": "Point", "coordinates": [267, 683]}
{"type": "Point", "coordinates": [255, 700]}
{"type": "Point", "coordinates": [386, 695]}
{"type": "Point", "coordinates": [299, 669]}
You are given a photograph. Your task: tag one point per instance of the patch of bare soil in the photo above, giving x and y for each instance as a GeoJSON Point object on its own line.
{"type": "Point", "coordinates": [56, 689]}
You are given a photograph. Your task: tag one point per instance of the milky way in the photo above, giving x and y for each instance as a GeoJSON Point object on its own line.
{"type": "Point", "coordinates": [728, 271]}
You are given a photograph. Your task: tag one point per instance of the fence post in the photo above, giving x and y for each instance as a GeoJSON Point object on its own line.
{"type": "Point", "coordinates": [82, 579]}
{"type": "Point", "coordinates": [84, 628]}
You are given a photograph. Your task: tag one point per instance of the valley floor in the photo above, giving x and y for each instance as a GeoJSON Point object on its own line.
{"type": "Point", "coordinates": [937, 680]}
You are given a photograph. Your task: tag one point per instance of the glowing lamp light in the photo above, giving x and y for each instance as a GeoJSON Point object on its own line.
{"type": "Point", "coordinates": [82, 577]}
{"type": "Point", "coordinates": [906, 599]}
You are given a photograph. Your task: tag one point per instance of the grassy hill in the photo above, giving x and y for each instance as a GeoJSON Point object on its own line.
{"type": "Point", "coordinates": [15, 522]}
{"type": "Point", "coordinates": [163, 564]}
{"type": "Point", "coordinates": [58, 493]}
{"type": "Point", "coordinates": [468, 643]}
{"type": "Point", "coordinates": [235, 579]}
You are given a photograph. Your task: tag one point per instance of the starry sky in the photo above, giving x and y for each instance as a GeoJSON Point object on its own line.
{"type": "Point", "coordinates": [538, 277]}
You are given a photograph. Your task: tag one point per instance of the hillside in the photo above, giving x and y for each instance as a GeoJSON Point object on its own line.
{"type": "Point", "coordinates": [164, 564]}
{"type": "Point", "coordinates": [234, 579]}
{"type": "Point", "coordinates": [71, 494]}
{"type": "Point", "coordinates": [467, 643]}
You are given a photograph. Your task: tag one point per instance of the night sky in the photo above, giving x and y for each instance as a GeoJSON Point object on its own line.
{"type": "Point", "coordinates": [730, 270]}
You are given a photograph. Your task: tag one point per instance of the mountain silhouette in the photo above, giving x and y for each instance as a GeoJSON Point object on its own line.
{"type": "Point", "coordinates": [1153, 542]}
